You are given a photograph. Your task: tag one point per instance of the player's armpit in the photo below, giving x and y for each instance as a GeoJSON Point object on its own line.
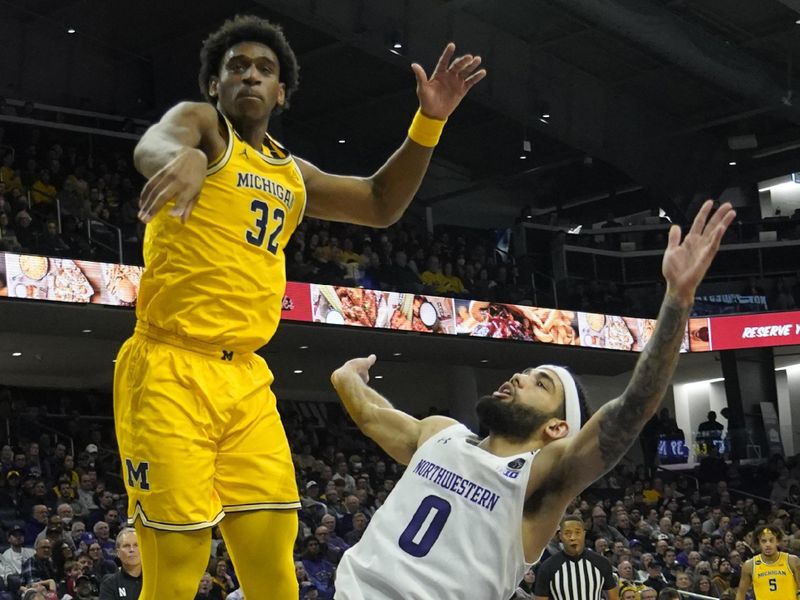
{"type": "Point", "coordinates": [400, 434]}
{"type": "Point", "coordinates": [185, 125]}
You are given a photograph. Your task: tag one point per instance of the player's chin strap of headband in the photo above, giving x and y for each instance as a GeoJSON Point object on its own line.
{"type": "Point", "coordinates": [571, 402]}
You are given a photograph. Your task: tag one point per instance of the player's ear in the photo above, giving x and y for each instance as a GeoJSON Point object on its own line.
{"type": "Point", "coordinates": [213, 87]}
{"type": "Point", "coordinates": [281, 100]}
{"type": "Point", "coordinates": [555, 429]}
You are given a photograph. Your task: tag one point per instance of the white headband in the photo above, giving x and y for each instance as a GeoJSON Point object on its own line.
{"type": "Point", "coordinates": [572, 404]}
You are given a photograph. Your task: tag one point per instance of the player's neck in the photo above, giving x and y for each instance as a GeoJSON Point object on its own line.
{"type": "Point", "coordinates": [252, 132]}
{"type": "Point", "coordinates": [500, 446]}
{"type": "Point", "coordinates": [770, 560]}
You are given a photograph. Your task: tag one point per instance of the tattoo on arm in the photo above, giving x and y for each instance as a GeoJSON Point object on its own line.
{"type": "Point", "coordinates": [622, 419]}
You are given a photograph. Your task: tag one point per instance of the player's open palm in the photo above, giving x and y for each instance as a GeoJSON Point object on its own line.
{"type": "Point", "coordinates": [180, 180]}
{"type": "Point", "coordinates": [451, 80]}
{"type": "Point", "coordinates": [685, 263]}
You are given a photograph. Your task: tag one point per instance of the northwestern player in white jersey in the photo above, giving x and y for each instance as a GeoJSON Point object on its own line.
{"type": "Point", "coordinates": [469, 515]}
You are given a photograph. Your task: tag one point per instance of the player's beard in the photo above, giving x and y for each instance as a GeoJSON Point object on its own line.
{"type": "Point", "coordinates": [510, 420]}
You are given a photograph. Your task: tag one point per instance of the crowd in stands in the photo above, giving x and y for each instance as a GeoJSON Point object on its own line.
{"type": "Point", "coordinates": [42, 168]}
{"type": "Point", "coordinates": [60, 512]}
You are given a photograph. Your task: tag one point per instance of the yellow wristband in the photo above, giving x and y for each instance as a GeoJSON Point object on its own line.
{"type": "Point", "coordinates": [425, 131]}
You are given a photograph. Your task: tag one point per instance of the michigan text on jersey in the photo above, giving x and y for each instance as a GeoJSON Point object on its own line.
{"type": "Point", "coordinates": [262, 184]}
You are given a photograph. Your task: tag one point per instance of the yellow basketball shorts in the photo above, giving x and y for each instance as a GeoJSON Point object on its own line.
{"type": "Point", "coordinates": [199, 433]}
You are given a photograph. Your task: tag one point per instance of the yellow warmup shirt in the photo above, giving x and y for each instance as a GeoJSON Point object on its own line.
{"type": "Point", "coordinates": [220, 278]}
{"type": "Point", "coordinates": [773, 581]}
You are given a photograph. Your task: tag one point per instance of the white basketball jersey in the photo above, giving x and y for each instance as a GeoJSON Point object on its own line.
{"type": "Point", "coordinates": [450, 529]}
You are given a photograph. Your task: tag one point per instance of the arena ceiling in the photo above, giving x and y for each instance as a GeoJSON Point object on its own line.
{"type": "Point", "coordinates": [643, 95]}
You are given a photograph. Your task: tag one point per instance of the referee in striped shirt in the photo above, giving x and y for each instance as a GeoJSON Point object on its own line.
{"type": "Point", "coordinates": [575, 573]}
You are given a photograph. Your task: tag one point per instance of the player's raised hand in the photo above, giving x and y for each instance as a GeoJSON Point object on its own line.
{"type": "Point", "coordinates": [685, 263]}
{"type": "Point", "coordinates": [357, 366]}
{"type": "Point", "coordinates": [451, 80]}
{"type": "Point", "coordinates": [180, 180]}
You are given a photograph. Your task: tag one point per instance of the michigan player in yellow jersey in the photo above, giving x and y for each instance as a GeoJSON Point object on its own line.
{"type": "Point", "coordinates": [200, 437]}
{"type": "Point", "coordinates": [773, 575]}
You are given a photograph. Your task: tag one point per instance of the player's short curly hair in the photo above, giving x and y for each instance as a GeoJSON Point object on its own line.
{"type": "Point", "coordinates": [764, 529]}
{"type": "Point", "coordinates": [248, 28]}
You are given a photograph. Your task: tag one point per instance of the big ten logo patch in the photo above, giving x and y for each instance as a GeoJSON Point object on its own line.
{"type": "Point", "coordinates": [137, 474]}
{"type": "Point", "coordinates": [513, 468]}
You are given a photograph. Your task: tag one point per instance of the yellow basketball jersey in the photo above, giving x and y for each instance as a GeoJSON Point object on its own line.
{"type": "Point", "coordinates": [220, 278]}
{"type": "Point", "coordinates": [773, 581]}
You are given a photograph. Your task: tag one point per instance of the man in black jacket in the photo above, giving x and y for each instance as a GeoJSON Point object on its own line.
{"type": "Point", "coordinates": [127, 582]}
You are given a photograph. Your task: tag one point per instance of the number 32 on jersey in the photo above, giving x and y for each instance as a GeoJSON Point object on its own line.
{"type": "Point", "coordinates": [268, 225]}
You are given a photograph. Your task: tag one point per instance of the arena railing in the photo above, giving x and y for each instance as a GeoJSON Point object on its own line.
{"type": "Point", "coordinates": [70, 127]}
{"type": "Point", "coordinates": [63, 110]}
{"type": "Point", "coordinates": [95, 224]}
{"type": "Point", "coordinates": [696, 595]}
{"type": "Point", "coordinates": [762, 498]}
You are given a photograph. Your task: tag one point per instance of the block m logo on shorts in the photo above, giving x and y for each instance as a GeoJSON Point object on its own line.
{"type": "Point", "coordinates": [137, 475]}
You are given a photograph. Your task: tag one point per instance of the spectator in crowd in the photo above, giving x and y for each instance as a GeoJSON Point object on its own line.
{"type": "Point", "coordinates": [16, 555]}
{"type": "Point", "coordinates": [710, 430]}
{"type": "Point", "coordinates": [101, 566]}
{"type": "Point", "coordinates": [43, 193]}
{"type": "Point", "coordinates": [221, 581]}
{"type": "Point", "coordinates": [39, 566]}
{"type": "Point", "coordinates": [648, 593]}
{"type": "Point", "coordinates": [401, 276]}
{"type": "Point", "coordinates": [86, 498]}
{"type": "Point", "coordinates": [86, 588]}
{"type": "Point", "coordinates": [206, 589]}
{"type": "Point", "coordinates": [433, 278]}
{"type": "Point", "coordinates": [525, 588]}
{"type": "Point", "coordinates": [37, 522]}
{"type": "Point", "coordinates": [669, 594]}
{"type": "Point", "coordinates": [330, 553]}
{"type": "Point", "coordinates": [125, 584]}
{"type": "Point", "coordinates": [102, 533]}
{"type": "Point", "coordinates": [320, 571]}
{"type": "Point", "coordinates": [24, 231]}
{"type": "Point", "coordinates": [655, 577]}
{"type": "Point", "coordinates": [334, 541]}
{"type": "Point", "coordinates": [52, 244]}
{"type": "Point", "coordinates": [601, 528]}
{"type": "Point", "coordinates": [8, 237]}
{"type": "Point", "coordinates": [343, 474]}
{"type": "Point", "coordinates": [359, 526]}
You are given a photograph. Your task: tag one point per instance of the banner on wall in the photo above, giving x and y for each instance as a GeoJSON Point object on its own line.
{"type": "Point", "coordinates": [338, 305]}
{"type": "Point", "coordinates": [753, 331]}
{"type": "Point", "coordinates": [67, 280]}
{"type": "Point", "coordinates": [31, 277]}
{"type": "Point", "coordinates": [296, 304]}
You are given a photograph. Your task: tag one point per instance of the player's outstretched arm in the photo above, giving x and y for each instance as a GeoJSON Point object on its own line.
{"type": "Point", "coordinates": [612, 430]}
{"type": "Point", "coordinates": [794, 565]}
{"type": "Point", "coordinates": [381, 199]}
{"type": "Point", "coordinates": [745, 581]}
{"type": "Point", "coordinates": [173, 154]}
{"type": "Point", "coordinates": [398, 433]}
